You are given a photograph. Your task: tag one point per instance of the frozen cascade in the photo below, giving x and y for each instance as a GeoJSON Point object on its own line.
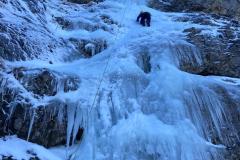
{"type": "Point", "coordinates": [166, 114]}
{"type": "Point", "coordinates": [143, 116]}
{"type": "Point", "coordinates": [147, 108]}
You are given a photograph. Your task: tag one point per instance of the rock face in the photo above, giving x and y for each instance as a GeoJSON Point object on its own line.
{"type": "Point", "coordinates": [46, 123]}
{"type": "Point", "coordinates": [233, 102]}
{"type": "Point", "coordinates": [220, 52]}
{"type": "Point", "coordinates": [29, 106]}
{"type": "Point", "coordinates": [220, 56]}
{"type": "Point", "coordinates": [37, 6]}
{"type": "Point", "coordinates": [13, 46]}
{"type": "Point", "coordinates": [43, 125]}
{"type": "Point", "coordinates": [223, 7]}
{"type": "Point", "coordinates": [16, 40]}
{"type": "Point", "coordinates": [229, 131]}
{"type": "Point", "coordinates": [44, 82]}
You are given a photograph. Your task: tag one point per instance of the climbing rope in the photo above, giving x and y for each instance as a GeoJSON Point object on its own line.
{"type": "Point", "coordinates": [100, 83]}
{"type": "Point", "coordinates": [106, 66]}
{"type": "Point", "coordinates": [72, 156]}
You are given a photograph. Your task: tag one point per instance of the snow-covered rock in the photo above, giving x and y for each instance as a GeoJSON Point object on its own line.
{"type": "Point", "coordinates": [221, 7]}
{"type": "Point", "coordinates": [13, 148]}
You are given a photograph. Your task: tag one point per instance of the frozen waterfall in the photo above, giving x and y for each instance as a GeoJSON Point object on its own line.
{"type": "Point", "coordinates": [146, 108]}
{"type": "Point", "coordinates": [165, 114]}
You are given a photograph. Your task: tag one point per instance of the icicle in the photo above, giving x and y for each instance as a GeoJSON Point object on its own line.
{"type": "Point", "coordinates": [77, 122]}
{"type": "Point", "coordinates": [71, 111]}
{"type": "Point", "coordinates": [31, 124]}
{"type": "Point", "coordinates": [204, 107]}
{"type": "Point", "coordinates": [60, 114]}
{"type": "Point", "coordinates": [25, 115]}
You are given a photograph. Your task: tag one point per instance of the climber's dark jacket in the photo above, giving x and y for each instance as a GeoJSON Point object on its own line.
{"type": "Point", "coordinates": [145, 18]}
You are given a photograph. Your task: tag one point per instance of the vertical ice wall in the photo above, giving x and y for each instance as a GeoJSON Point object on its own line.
{"type": "Point", "coordinates": [165, 114]}
{"type": "Point", "coordinates": [162, 114]}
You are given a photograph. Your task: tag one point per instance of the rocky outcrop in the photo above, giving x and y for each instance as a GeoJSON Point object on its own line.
{"type": "Point", "coordinates": [105, 23]}
{"type": "Point", "coordinates": [44, 125]}
{"type": "Point", "coordinates": [17, 40]}
{"type": "Point", "coordinates": [68, 24]}
{"type": "Point", "coordinates": [219, 49]}
{"type": "Point", "coordinates": [44, 82]}
{"type": "Point", "coordinates": [22, 111]}
{"type": "Point", "coordinates": [14, 44]}
{"type": "Point", "coordinates": [16, 37]}
{"type": "Point", "coordinates": [220, 52]}
{"type": "Point", "coordinates": [29, 106]}
{"type": "Point", "coordinates": [33, 157]}
{"type": "Point", "coordinates": [37, 6]}
{"type": "Point", "coordinates": [89, 48]}
{"type": "Point", "coordinates": [222, 7]}
{"type": "Point", "coordinates": [230, 97]}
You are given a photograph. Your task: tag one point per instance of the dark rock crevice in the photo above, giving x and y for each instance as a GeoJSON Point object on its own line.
{"type": "Point", "coordinates": [144, 62]}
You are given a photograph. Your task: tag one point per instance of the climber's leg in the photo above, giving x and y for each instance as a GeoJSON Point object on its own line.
{"type": "Point", "coordinates": [142, 22]}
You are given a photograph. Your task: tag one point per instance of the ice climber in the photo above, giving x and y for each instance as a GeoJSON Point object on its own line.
{"type": "Point", "coordinates": [145, 18]}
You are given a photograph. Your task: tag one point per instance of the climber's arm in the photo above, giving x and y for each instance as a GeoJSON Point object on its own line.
{"type": "Point", "coordinates": [139, 16]}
